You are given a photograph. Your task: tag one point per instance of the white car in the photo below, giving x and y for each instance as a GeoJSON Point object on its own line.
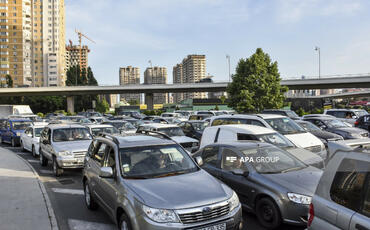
{"type": "Point", "coordinates": [174, 115]}
{"type": "Point", "coordinates": [225, 134]}
{"type": "Point", "coordinates": [31, 137]}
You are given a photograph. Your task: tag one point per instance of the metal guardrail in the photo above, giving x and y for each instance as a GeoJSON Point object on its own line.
{"type": "Point", "coordinates": [329, 76]}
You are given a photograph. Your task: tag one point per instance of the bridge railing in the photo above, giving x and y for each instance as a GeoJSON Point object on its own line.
{"type": "Point", "coordinates": [329, 76]}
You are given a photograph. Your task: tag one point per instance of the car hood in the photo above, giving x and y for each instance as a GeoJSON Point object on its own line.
{"type": "Point", "coordinates": [302, 181]}
{"type": "Point", "coordinates": [304, 140]}
{"type": "Point", "coordinates": [326, 135]}
{"type": "Point", "coordinates": [351, 130]}
{"type": "Point", "coordinates": [181, 191]}
{"type": "Point", "coordinates": [183, 139]}
{"type": "Point", "coordinates": [304, 155]}
{"type": "Point", "coordinates": [73, 146]}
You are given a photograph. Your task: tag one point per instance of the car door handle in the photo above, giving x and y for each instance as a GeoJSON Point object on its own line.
{"type": "Point", "coordinates": [360, 227]}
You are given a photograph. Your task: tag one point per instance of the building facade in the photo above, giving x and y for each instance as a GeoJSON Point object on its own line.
{"type": "Point", "coordinates": [73, 56]}
{"type": "Point", "coordinates": [32, 42]}
{"type": "Point", "coordinates": [157, 75]}
{"type": "Point", "coordinates": [193, 69]}
{"type": "Point", "coordinates": [129, 76]}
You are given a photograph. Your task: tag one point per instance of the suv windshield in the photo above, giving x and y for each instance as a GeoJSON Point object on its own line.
{"type": "Point", "coordinates": [122, 125]}
{"type": "Point", "coordinates": [292, 114]}
{"type": "Point", "coordinates": [276, 139]}
{"type": "Point", "coordinates": [38, 132]}
{"type": "Point", "coordinates": [155, 161]}
{"type": "Point", "coordinates": [71, 134]}
{"type": "Point", "coordinates": [285, 125]}
{"type": "Point", "coordinates": [335, 124]}
{"type": "Point", "coordinates": [171, 132]}
{"type": "Point", "coordinates": [110, 130]}
{"type": "Point", "coordinates": [309, 126]}
{"type": "Point", "coordinates": [199, 126]}
{"type": "Point", "coordinates": [279, 161]}
{"type": "Point", "coordinates": [21, 125]}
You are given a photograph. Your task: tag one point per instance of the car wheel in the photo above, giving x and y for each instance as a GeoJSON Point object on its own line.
{"type": "Point", "coordinates": [89, 199]}
{"type": "Point", "coordinates": [13, 142]}
{"type": "Point", "coordinates": [56, 169]}
{"type": "Point", "coordinates": [33, 151]}
{"type": "Point", "coordinates": [1, 140]}
{"type": "Point", "coordinates": [43, 160]}
{"type": "Point", "coordinates": [268, 213]}
{"type": "Point", "coordinates": [124, 223]}
{"type": "Point", "coordinates": [22, 147]}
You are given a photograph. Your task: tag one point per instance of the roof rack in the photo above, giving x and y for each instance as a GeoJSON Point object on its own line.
{"type": "Point", "coordinates": [147, 132]}
{"type": "Point", "coordinates": [107, 135]}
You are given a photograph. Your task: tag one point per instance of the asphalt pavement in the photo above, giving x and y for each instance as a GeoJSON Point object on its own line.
{"type": "Point", "coordinates": [67, 200]}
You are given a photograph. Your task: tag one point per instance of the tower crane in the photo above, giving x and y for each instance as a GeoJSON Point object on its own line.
{"type": "Point", "coordinates": [80, 35]}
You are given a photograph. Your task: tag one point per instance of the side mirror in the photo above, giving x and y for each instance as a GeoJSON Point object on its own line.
{"type": "Point", "coordinates": [199, 160]}
{"type": "Point", "coordinates": [240, 172]}
{"type": "Point", "coordinates": [106, 172]}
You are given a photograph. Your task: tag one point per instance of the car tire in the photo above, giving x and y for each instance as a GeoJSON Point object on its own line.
{"type": "Point", "coordinates": [58, 171]}
{"type": "Point", "coordinates": [43, 160]}
{"type": "Point", "coordinates": [1, 140]}
{"type": "Point", "coordinates": [22, 147]}
{"type": "Point", "coordinates": [33, 151]}
{"type": "Point", "coordinates": [268, 213]}
{"type": "Point", "coordinates": [124, 223]}
{"type": "Point", "coordinates": [89, 199]}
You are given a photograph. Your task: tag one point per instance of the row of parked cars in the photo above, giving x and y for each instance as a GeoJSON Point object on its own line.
{"type": "Point", "coordinates": [267, 164]}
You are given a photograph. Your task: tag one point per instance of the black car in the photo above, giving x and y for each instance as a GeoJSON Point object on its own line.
{"type": "Point", "coordinates": [194, 128]}
{"type": "Point", "coordinates": [363, 122]}
{"type": "Point", "coordinates": [267, 179]}
{"type": "Point", "coordinates": [336, 126]}
{"type": "Point", "coordinates": [324, 136]}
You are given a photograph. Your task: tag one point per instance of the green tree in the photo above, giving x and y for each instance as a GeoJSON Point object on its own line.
{"type": "Point", "coordinates": [9, 81]}
{"type": "Point", "coordinates": [102, 106]}
{"type": "Point", "coordinates": [256, 84]}
{"type": "Point", "coordinates": [216, 108]}
{"type": "Point", "coordinates": [134, 102]}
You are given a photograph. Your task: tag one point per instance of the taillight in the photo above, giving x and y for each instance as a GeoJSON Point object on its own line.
{"type": "Point", "coordinates": [311, 215]}
{"type": "Point", "coordinates": [356, 122]}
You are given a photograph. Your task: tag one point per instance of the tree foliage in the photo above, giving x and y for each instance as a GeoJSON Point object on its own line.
{"type": "Point", "coordinates": [102, 106]}
{"type": "Point", "coordinates": [9, 81]}
{"type": "Point", "coordinates": [256, 84]}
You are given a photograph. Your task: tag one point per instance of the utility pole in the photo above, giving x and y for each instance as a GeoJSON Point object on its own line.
{"type": "Point", "coordinates": [228, 59]}
{"type": "Point", "coordinates": [318, 50]}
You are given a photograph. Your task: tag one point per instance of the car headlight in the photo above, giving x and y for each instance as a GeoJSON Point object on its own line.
{"type": "Point", "coordinates": [299, 199]}
{"type": "Point", "coordinates": [18, 134]}
{"type": "Point", "coordinates": [160, 215]}
{"type": "Point", "coordinates": [233, 201]}
{"type": "Point", "coordinates": [64, 153]}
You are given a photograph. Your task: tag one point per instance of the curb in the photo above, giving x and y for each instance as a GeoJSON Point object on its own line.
{"type": "Point", "coordinates": [49, 207]}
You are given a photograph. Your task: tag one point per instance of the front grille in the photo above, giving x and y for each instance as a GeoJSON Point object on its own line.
{"type": "Point", "coordinates": [199, 216]}
{"type": "Point", "coordinates": [187, 145]}
{"type": "Point", "coordinates": [364, 134]}
{"type": "Point", "coordinates": [315, 149]}
{"type": "Point", "coordinates": [80, 154]}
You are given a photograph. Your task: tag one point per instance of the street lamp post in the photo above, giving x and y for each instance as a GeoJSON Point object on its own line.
{"type": "Point", "coordinates": [318, 50]}
{"type": "Point", "coordinates": [228, 59]}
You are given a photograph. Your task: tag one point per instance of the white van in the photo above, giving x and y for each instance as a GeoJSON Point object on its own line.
{"type": "Point", "coordinates": [225, 134]}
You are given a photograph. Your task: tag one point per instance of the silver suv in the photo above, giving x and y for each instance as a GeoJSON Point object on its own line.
{"type": "Point", "coordinates": [65, 145]}
{"type": "Point", "coordinates": [342, 197]}
{"type": "Point", "coordinates": [148, 182]}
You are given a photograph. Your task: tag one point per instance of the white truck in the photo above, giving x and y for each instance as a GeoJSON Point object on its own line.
{"type": "Point", "coordinates": [23, 111]}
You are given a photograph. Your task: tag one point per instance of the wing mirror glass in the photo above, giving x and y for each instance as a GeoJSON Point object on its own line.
{"type": "Point", "coordinates": [106, 172]}
{"type": "Point", "coordinates": [199, 160]}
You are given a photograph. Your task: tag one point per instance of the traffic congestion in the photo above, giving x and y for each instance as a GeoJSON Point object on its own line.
{"type": "Point", "coordinates": [209, 170]}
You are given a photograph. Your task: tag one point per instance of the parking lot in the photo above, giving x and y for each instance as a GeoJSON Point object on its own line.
{"type": "Point", "coordinates": [66, 195]}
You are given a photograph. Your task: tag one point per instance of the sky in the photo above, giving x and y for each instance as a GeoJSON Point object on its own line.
{"type": "Point", "coordinates": [132, 32]}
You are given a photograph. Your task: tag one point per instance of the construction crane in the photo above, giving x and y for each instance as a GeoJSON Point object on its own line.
{"type": "Point", "coordinates": [80, 35]}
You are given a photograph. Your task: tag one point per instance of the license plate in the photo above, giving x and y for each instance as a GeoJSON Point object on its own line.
{"type": "Point", "coordinates": [214, 227]}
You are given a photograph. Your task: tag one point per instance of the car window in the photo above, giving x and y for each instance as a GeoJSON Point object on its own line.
{"type": "Point", "coordinates": [347, 188]}
{"type": "Point", "coordinates": [231, 160]}
{"type": "Point", "coordinates": [98, 154]}
{"type": "Point", "coordinates": [92, 147]}
{"type": "Point", "coordinates": [210, 155]}
{"type": "Point", "coordinates": [285, 125]}
{"type": "Point", "coordinates": [71, 134]}
{"type": "Point", "coordinates": [110, 160]}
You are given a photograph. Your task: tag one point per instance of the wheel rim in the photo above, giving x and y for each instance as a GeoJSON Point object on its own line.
{"type": "Point", "coordinates": [267, 213]}
{"type": "Point", "coordinates": [124, 225]}
{"type": "Point", "coordinates": [87, 194]}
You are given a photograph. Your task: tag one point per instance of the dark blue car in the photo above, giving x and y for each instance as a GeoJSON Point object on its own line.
{"type": "Point", "coordinates": [12, 129]}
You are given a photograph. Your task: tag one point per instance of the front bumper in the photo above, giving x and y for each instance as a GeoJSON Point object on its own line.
{"type": "Point", "coordinates": [233, 221]}
{"type": "Point", "coordinates": [293, 213]}
{"type": "Point", "coordinates": [70, 162]}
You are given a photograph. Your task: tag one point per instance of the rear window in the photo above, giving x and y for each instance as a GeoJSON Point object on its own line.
{"type": "Point", "coordinates": [348, 187]}
{"type": "Point", "coordinates": [236, 121]}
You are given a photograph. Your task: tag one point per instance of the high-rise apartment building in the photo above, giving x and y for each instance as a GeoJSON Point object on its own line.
{"type": "Point", "coordinates": [73, 56]}
{"type": "Point", "coordinates": [193, 69]}
{"type": "Point", "coordinates": [129, 76]}
{"type": "Point", "coordinates": [157, 75]}
{"type": "Point", "coordinates": [32, 49]}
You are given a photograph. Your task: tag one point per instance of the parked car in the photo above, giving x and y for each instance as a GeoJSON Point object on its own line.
{"type": "Point", "coordinates": [184, 113]}
{"type": "Point", "coordinates": [193, 129]}
{"type": "Point", "coordinates": [14, 127]}
{"type": "Point", "coordinates": [210, 112]}
{"type": "Point", "coordinates": [363, 122]}
{"type": "Point", "coordinates": [96, 129]}
{"type": "Point", "coordinates": [323, 135]}
{"type": "Point", "coordinates": [31, 137]}
{"type": "Point", "coordinates": [225, 134]}
{"type": "Point", "coordinates": [122, 125]}
{"type": "Point", "coordinates": [284, 112]}
{"type": "Point", "coordinates": [146, 182]}
{"type": "Point", "coordinates": [65, 145]}
{"type": "Point", "coordinates": [342, 197]}
{"type": "Point", "coordinates": [97, 120]}
{"type": "Point", "coordinates": [199, 117]}
{"type": "Point", "coordinates": [284, 125]}
{"type": "Point", "coordinates": [348, 115]}
{"type": "Point", "coordinates": [277, 191]}
{"type": "Point", "coordinates": [133, 114]}
{"type": "Point", "coordinates": [88, 114]}
{"type": "Point", "coordinates": [336, 126]}
{"type": "Point", "coordinates": [174, 132]}
{"type": "Point", "coordinates": [76, 119]}
{"type": "Point", "coordinates": [176, 115]}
